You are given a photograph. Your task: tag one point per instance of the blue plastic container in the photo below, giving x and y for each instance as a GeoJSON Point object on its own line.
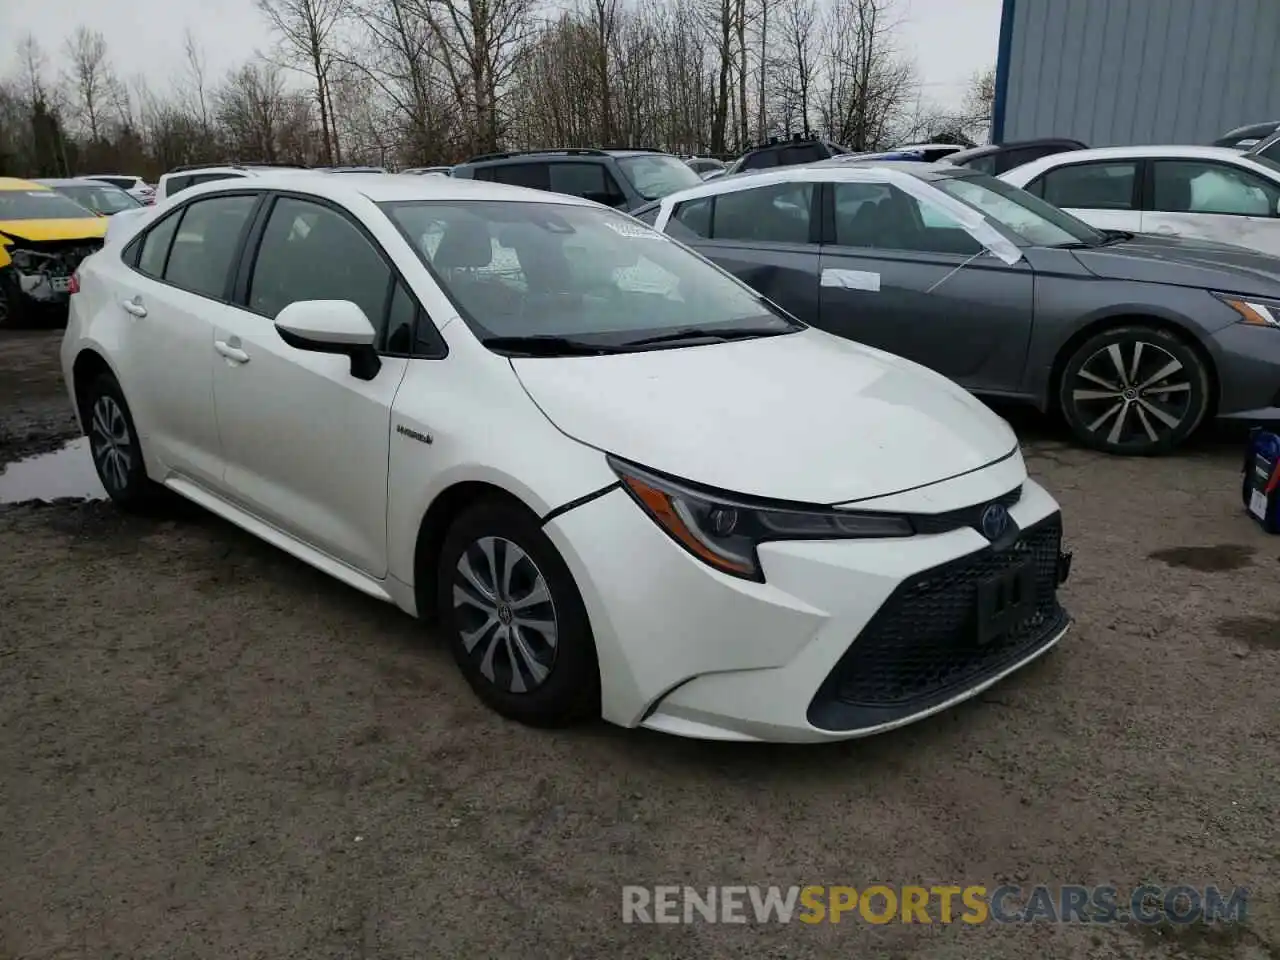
{"type": "Point", "coordinates": [1261, 484]}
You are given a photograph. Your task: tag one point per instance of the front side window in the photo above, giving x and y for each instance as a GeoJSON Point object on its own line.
{"type": "Point", "coordinates": [591, 181]}
{"type": "Point", "coordinates": [778, 213]}
{"type": "Point", "coordinates": [1193, 186]}
{"type": "Point", "coordinates": [1090, 186]}
{"type": "Point", "coordinates": [312, 252]}
{"type": "Point", "coordinates": [206, 244]}
{"type": "Point", "coordinates": [580, 274]}
{"type": "Point", "coordinates": [1036, 222]}
{"type": "Point", "coordinates": [879, 215]}
{"type": "Point", "coordinates": [657, 175]}
{"type": "Point", "coordinates": [39, 204]}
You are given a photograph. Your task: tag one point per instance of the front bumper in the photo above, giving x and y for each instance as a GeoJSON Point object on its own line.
{"type": "Point", "coordinates": [1248, 360]}
{"type": "Point", "coordinates": [689, 651]}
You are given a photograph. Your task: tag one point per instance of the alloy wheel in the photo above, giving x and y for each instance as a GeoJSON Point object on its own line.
{"type": "Point", "coordinates": [1130, 391]}
{"type": "Point", "coordinates": [110, 442]}
{"type": "Point", "coordinates": [505, 615]}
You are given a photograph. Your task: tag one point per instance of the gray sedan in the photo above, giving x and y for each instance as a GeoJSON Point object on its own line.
{"type": "Point", "coordinates": [1136, 339]}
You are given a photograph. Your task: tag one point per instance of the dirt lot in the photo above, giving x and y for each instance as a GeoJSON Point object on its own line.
{"type": "Point", "coordinates": [210, 750]}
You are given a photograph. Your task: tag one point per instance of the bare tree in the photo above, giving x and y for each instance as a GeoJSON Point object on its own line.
{"type": "Point", "coordinates": [480, 44]}
{"type": "Point", "coordinates": [91, 77]}
{"type": "Point", "coordinates": [796, 63]}
{"type": "Point", "coordinates": [867, 85]}
{"type": "Point", "coordinates": [306, 29]}
{"type": "Point", "coordinates": [196, 77]}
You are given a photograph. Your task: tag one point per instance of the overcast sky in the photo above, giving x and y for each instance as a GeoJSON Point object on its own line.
{"type": "Point", "coordinates": [948, 39]}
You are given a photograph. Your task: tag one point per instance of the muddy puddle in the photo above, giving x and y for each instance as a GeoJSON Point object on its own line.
{"type": "Point", "coordinates": [67, 472]}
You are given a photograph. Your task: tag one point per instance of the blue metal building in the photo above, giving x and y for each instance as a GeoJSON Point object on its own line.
{"type": "Point", "coordinates": [1117, 72]}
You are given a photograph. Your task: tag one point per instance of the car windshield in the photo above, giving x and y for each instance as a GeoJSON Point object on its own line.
{"type": "Point", "coordinates": [39, 205]}
{"type": "Point", "coordinates": [654, 175]}
{"type": "Point", "coordinates": [592, 276]}
{"type": "Point", "coordinates": [1038, 223]}
{"type": "Point", "coordinates": [101, 198]}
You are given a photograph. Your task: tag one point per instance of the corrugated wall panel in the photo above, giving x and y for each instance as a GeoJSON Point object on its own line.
{"type": "Point", "coordinates": [1114, 72]}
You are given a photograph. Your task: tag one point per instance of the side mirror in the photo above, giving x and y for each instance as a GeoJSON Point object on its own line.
{"type": "Point", "coordinates": [332, 326]}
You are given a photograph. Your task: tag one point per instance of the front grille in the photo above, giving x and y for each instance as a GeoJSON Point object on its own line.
{"type": "Point", "coordinates": [964, 517]}
{"type": "Point", "coordinates": [921, 647]}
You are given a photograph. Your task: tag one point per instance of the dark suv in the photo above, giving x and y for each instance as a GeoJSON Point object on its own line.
{"type": "Point", "coordinates": [625, 178]}
{"type": "Point", "coordinates": [786, 153]}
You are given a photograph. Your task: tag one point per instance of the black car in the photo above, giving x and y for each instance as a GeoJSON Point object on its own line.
{"type": "Point", "coordinates": [624, 178]}
{"type": "Point", "coordinates": [786, 153]}
{"type": "Point", "coordinates": [996, 158]}
{"type": "Point", "coordinates": [1242, 138]}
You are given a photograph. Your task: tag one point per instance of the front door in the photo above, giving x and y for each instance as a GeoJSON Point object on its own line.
{"type": "Point", "coordinates": [1102, 193]}
{"type": "Point", "coordinates": [907, 278]}
{"type": "Point", "coordinates": [305, 442]}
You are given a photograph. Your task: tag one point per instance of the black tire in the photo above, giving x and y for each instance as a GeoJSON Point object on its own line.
{"type": "Point", "coordinates": [118, 462]}
{"type": "Point", "coordinates": [569, 690]}
{"type": "Point", "coordinates": [1100, 389]}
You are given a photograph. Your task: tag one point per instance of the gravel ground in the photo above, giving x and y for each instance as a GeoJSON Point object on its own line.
{"type": "Point", "coordinates": [211, 750]}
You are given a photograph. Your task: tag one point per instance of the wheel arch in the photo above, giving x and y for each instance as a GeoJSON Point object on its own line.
{"type": "Point", "coordinates": [1125, 318]}
{"type": "Point", "coordinates": [434, 526]}
{"type": "Point", "coordinates": [89, 363]}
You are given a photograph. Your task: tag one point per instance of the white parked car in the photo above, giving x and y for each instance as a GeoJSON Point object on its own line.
{"type": "Point", "coordinates": [136, 187]}
{"type": "Point", "coordinates": [183, 178]}
{"type": "Point", "coordinates": [1208, 193]}
{"type": "Point", "coordinates": [625, 483]}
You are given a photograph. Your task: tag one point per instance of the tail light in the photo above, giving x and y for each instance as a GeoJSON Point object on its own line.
{"type": "Point", "coordinates": [73, 283]}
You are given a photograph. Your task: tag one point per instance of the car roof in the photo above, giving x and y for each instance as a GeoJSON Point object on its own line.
{"type": "Point", "coordinates": [1145, 150]}
{"type": "Point", "coordinates": [16, 183]}
{"type": "Point", "coordinates": [823, 171]}
{"type": "Point", "coordinates": [987, 149]}
{"type": "Point", "coordinates": [74, 182]}
{"type": "Point", "coordinates": [388, 187]}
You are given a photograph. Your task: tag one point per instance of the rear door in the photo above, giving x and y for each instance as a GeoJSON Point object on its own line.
{"type": "Point", "coordinates": [1212, 201]}
{"type": "Point", "coordinates": [180, 284]}
{"type": "Point", "coordinates": [765, 236]}
{"type": "Point", "coordinates": [907, 278]}
{"type": "Point", "coordinates": [1102, 193]}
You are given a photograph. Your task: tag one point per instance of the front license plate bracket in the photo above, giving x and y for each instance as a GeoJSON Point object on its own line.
{"type": "Point", "coordinates": [1004, 603]}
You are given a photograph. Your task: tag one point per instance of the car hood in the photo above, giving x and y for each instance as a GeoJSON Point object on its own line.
{"type": "Point", "coordinates": [39, 231]}
{"type": "Point", "coordinates": [1185, 262]}
{"type": "Point", "coordinates": [807, 417]}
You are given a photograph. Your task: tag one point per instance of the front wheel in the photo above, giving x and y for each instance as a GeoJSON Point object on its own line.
{"type": "Point", "coordinates": [1135, 390]}
{"type": "Point", "coordinates": [514, 618]}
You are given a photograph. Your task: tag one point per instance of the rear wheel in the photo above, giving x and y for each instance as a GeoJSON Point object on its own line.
{"type": "Point", "coordinates": [515, 620]}
{"type": "Point", "coordinates": [1136, 390]}
{"type": "Point", "coordinates": [113, 442]}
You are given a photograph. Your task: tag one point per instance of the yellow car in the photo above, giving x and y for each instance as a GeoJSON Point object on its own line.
{"type": "Point", "coordinates": [43, 238]}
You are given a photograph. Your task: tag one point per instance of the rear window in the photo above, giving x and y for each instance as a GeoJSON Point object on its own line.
{"type": "Point", "coordinates": [39, 205]}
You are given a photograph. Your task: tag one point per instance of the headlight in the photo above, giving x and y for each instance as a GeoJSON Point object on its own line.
{"type": "Point", "coordinates": [724, 531]}
{"type": "Point", "coordinates": [1258, 311]}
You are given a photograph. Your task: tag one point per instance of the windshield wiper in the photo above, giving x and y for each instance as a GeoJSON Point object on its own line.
{"type": "Point", "coordinates": [544, 345]}
{"type": "Point", "coordinates": [710, 336]}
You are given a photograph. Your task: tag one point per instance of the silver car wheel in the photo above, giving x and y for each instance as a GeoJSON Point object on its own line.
{"type": "Point", "coordinates": [505, 614]}
{"type": "Point", "coordinates": [1133, 390]}
{"type": "Point", "coordinates": [110, 442]}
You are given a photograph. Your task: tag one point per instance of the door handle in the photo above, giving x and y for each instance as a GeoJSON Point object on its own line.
{"type": "Point", "coordinates": [231, 353]}
{"type": "Point", "coordinates": [134, 307]}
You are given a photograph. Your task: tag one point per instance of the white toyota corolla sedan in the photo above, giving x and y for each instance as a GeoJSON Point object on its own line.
{"type": "Point", "coordinates": [623, 482]}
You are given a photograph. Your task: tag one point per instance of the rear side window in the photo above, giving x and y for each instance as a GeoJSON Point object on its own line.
{"type": "Point", "coordinates": [176, 185]}
{"type": "Point", "coordinates": [206, 244]}
{"type": "Point", "coordinates": [210, 177]}
{"type": "Point", "coordinates": [1090, 186]}
{"type": "Point", "coordinates": [155, 246]}
{"type": "Point", "coordinates": [533, 175]}
{"type": "Point", "coordinates": [311, 252]}
{"type": "Point", "coordinates": [778, 213]}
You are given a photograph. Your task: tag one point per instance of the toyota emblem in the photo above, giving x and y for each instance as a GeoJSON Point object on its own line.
{"type": "Point", "coordinates": [995, 520]}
